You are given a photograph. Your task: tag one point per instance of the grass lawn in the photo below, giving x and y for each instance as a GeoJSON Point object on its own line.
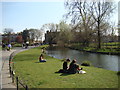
{"type": "Point", "coordinates": [42, 75]}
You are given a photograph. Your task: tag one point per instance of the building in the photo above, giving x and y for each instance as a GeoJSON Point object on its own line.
{"type": "Point", "coordinates": [51, 37]}
{"type": "Point", "coordinates": [9, 39]}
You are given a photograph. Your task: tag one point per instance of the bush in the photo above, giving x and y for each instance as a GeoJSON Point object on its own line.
{"type": "Point", "coordinates": [17, 45]}
{"type": "Point", "coordinates": [86, 63]}
{"type": "Point", "coordinates": [118, 73]}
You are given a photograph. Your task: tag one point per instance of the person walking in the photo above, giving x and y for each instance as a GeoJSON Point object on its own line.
{"type": "Point", "coordinates": [3, 46]}
{"type": "Point", "coordinates": [9, 47]}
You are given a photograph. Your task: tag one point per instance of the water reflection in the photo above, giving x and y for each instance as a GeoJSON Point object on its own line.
{"type": "Point", "coordinates": [109, 62]}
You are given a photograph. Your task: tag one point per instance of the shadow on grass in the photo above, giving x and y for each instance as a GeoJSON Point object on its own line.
{"type": "Point", "coordinates": [63, 74]}
{"type": "Point", "coordinates": [39, 62]}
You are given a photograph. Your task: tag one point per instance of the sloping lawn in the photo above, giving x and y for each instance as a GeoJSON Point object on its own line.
{"type": "Point", "coordinates": [42, 75]}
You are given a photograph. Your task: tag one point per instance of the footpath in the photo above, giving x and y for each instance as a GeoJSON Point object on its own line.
{"type": "Point", "coordinates": [6, 81]}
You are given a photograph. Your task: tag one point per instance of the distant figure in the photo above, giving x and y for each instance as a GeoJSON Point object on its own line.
{"type": "Point", "coordinates": [74, 68]}
{"type": "Point", "coordinates": [23, 45]}
{"type": "Point", "coordinates": [9, 47]}
{"type": "Point", "coordinates": [26, 45]}
{"type": "Point", "coordinates": [41, 58]}
{"type": "Point", "coordinates": [3, 46]}
{"type": "Point", "coordinates": [43, 50]}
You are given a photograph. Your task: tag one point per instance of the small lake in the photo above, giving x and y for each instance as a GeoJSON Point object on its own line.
{"type": "Point", "coordinates": [109, 62]}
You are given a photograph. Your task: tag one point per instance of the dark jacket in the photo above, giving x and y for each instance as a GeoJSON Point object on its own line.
{"type": "Point", "coordinates": [73, 68]}
{"type": "Point", "coordinates": [65, 66]}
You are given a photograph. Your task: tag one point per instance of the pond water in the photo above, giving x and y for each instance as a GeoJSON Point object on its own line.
{"type": "Point", "coordinates": [109, 62]}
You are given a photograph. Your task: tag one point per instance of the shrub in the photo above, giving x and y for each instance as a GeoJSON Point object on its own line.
{"type": "Point", "coordinates": [118, 73]}
{"type": "Point", "coordinates": [86, 63]}
{"type": "Point", "coordinates": [17, 45]}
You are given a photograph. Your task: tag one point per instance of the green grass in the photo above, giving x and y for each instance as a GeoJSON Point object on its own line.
{"type": "Point", "coordinates": [42, 75]}
{"type": "Point", "coordinates": [105, 47]}
{"type": "Point", "coordinates": [112, 43]}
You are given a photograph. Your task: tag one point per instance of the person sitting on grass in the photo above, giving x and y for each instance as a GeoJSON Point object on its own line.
{"type": "Point", "coordinates": [41, 58]}
{"type": "Point", "coordinates": [43, 50]}
{"type": "Point", "coordinates": [74, 68]}
{"type": "Point", "coordinates": [65, 66]}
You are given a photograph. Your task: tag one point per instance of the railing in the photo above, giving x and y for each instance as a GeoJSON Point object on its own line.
{"type": "Point", "coordinates": [12, 74]}
{"type": "Point", "coordinates": [19, 82]}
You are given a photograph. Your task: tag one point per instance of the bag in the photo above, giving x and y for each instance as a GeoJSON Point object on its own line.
{"type": "Point", "coordinates": [82, 72]}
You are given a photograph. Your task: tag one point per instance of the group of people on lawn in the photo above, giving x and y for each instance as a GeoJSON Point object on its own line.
{"type": "Point", "coordinates": [72, 68]}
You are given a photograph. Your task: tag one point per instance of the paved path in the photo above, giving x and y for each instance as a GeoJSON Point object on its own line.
{"type": "Point", "coordinates": [6, 80]}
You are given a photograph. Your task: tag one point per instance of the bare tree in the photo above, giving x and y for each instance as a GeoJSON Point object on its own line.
{"type": "Point", "coordinates": [35, 35]}
{"type": "Point", "coordinates": [119, 22]}
{"type": "Point", "coordinates": [38, 34]}
{"type": "Point", "coordinates": [89, 15]}
{"type": "Point", "coordinates": [119, 31]}
{"type": "Point", "coordinates": [100, 11]}
{"type": "Point", "coordinates": [49, 27]}
{"type": "Point", "coordinates": [7, 32]}
{"type": "Point", "coordinates": [82, 18]}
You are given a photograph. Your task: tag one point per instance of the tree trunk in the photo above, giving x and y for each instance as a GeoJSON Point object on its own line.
{"type": "Point", "coordinates": [98, 22]}
{"type": "Point", "coordinates": [99, 37]}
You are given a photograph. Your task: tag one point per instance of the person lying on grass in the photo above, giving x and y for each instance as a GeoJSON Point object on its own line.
{"type": "Point", "coordinates": [41, 58]}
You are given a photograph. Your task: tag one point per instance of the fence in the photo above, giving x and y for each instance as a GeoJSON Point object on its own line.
{"type": "Point", "coordinates": [12, 74]}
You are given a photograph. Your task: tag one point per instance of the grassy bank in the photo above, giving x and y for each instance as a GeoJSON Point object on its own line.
{"type": "Point", "coordinates": [42, 75]}
{"type": "Point", "coordinates": [106, 48]}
